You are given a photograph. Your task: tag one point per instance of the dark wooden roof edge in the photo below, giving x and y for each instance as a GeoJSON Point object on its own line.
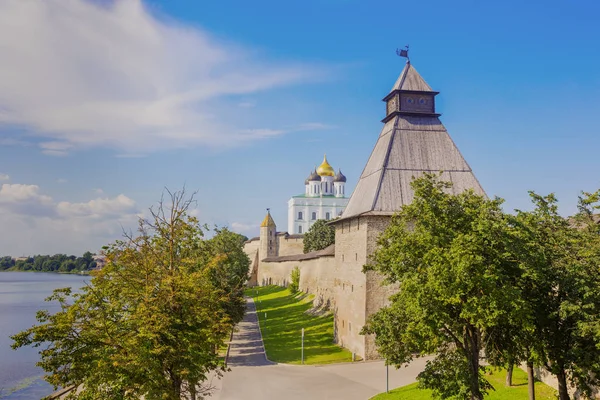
{"type": "Point", "coordinates": [393, 92]}
{"type": "Point", "coordinates": [364, 214]}
{"type": "Point", "coordinates": [411, 113]}
{"type": "Point", "coordinates": [286, 234]}
{"type": "Point", "coordinates": [326, 252]}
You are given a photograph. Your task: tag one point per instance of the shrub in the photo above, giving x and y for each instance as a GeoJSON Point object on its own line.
{"type": "Point", "coordinates": [295, 280]}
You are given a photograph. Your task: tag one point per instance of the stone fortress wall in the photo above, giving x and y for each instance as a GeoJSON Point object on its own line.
{"type": "Point", "coordinates": [333, 275]}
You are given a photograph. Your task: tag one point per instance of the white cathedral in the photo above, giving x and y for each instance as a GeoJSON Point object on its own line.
{"type": "Point", "coordinates": [324, 198]}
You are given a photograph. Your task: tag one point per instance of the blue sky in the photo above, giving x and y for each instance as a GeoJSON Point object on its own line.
{"type": "Point", "coordinates": [104, 104]}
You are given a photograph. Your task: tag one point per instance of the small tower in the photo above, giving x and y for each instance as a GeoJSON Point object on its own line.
{"type": "Point", "coordinates": [326, 172]}
{"type": "Point", "coordinates": [339, 183]}
{"type": "Point", "coordinates": [268, 238]}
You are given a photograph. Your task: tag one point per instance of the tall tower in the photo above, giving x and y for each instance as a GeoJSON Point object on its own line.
{"type": "Point", "coordinates": [412, 142]}
{"type": "Point", "coordinates": [268, 238]}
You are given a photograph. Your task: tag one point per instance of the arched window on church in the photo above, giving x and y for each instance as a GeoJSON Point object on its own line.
{"type": "Point", "coordinates": [327, 215]}
{"type": "Point", "coordinates": [300, 229]}
{"type": "Point", "coordinates": [314, 216]}
{"type": "Point", "coordinates": [300, 215]}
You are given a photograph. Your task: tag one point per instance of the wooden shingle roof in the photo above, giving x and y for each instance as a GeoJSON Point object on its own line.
{"type": "Point", "coordinates": [408, 146]}
{"type": "Point", "coordinates": [411, 80]}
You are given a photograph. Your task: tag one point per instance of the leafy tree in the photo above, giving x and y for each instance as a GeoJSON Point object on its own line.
{"type": "Point", "coordinates": [87, 257]}
{"type": "Point", "coordinates": [295, 280]}
{"type": "Point", "coordinates": [447, 253]}
{"type": "Point", "coordinates": [230, 272]}
{"type": "Point", "coordinates": [561, 263]}
{"type": "Point", "coordinates": [149, 322]}
{"type": "Point", "coordinates": [319, 236]}
{"type": "Point", "coordinates": [6, 263]}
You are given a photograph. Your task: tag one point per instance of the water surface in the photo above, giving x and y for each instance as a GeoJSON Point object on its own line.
{"type": "Point", "coordinates": [22, 294]}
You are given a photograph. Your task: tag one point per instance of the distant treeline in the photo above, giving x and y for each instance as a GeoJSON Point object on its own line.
{"type": "Point", "coordinates": [55, 263]}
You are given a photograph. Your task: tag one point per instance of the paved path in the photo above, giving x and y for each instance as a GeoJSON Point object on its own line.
{"type": "Point", "coordinates": [253, 377]}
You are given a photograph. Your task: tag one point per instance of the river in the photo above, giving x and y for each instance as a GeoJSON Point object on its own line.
{"type": "Point", "coordinates": [21, 295]}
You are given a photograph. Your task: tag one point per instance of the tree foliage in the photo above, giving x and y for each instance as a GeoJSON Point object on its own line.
{"type": "Point", "coordinates": [560, 260]}
{"type": "Point", "coordinates": [319, 236]}
{"type": "Point", "coordinates": [46, 263]}
{"type": "Point", "coordinates": [151, 320]}
{"type": "Point", "coordinates": [447, 254]}
{"type": "Point", "coordinates": [524, 287]}
{"type": "Point", "coordinates": [295, 280]}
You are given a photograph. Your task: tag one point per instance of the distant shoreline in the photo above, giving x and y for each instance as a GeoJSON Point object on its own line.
{"type": "Point", "coordinates": [49, 272]}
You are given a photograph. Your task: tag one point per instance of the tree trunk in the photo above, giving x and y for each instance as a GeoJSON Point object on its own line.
{"type": "Point", "coordinates": [563, 393]}
{"type": "Point", "coordinates": [509, 373]}
{"type": "Point", "coordinates": [192, 391]}
{"type": "Point", "coordinates": [530, 380]}
{"type": "Point", "coordinates": [472, 350]}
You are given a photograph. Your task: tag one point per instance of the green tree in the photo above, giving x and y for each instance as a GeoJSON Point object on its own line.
{"type": "Point", "coordinates": [319, 236]}
{"type": "Point", "coordinates": [560, 259]}
{"type": "Point", "coordinates": [295, 280]}
{"type": "Point", "coordinates": [149, 322]}
{"type": "Point", "coordinates": [447, 253]}
{"type": "Point", "coordinates": [6, 262]}
{"type": "Point", "coordinates": [231, 269]}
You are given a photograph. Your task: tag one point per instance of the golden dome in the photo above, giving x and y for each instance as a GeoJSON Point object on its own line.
{"type": "Point", "coordinates": [325, 169]}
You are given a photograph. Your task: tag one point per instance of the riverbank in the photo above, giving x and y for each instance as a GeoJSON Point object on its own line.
{"type": "Point", "coordinates": [87, 273]}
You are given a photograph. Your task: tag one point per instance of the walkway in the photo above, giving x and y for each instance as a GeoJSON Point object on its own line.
{"type": "Point", "coordinates": [253, 377]}
{"type": "Point", "coordinates": [247, 348]}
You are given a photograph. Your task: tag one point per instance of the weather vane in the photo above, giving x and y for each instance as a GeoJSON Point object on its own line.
{"type": "Point", "coordinates": [403, 53]}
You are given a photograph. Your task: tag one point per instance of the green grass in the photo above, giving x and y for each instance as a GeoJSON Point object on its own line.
{"type": "Point", "coordinates": [286, 316]}
{"type": "Point", "coordinates": [496, 377]}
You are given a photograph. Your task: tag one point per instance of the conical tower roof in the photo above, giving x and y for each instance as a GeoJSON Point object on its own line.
{"type": "Point", "coordinates": [409, 145]}
{"type": "Point", "coordinates": [268, 221]}
{"type": "Point", "coordinates": [411, 80]}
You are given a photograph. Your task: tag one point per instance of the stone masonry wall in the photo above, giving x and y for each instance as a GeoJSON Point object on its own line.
{"type": "Point", "coordinates": [378, 294]}
{"type": "Point", "coordinates": [316, 276]}
{"type": "Point", "coordinates": [350, 283]}
{"type": "Point", "coordinates": [251, 250]}
{"type": "Point", "coordinates": [288, 247]}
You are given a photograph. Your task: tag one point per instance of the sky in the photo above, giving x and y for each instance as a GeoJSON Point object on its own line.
{"type": "Point", "coordinates": [105, 104]}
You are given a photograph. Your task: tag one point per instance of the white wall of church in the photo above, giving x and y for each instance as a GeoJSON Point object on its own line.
{"type": "Point", "coordinates": [303, 212]}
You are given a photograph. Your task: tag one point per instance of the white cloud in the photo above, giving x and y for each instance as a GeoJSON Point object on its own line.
{"type": "Point", "coordinates": [246, 229]}
{"type": "Point", "coordinates": [101, 207]}
{"type": "Point", "coordinates": [24, 200]}
{"type": "Point", "coordinates": [39, 224]}
{"type": "Point", "coordinates": [4, 177]}
{"type": "Point", "coordinates": [114, 75]}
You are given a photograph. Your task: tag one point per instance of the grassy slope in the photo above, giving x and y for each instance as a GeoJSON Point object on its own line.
{"type": "Point", "coordinates": [282, 330]}
{"type": "Point", "coordinates": [517, 392]}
